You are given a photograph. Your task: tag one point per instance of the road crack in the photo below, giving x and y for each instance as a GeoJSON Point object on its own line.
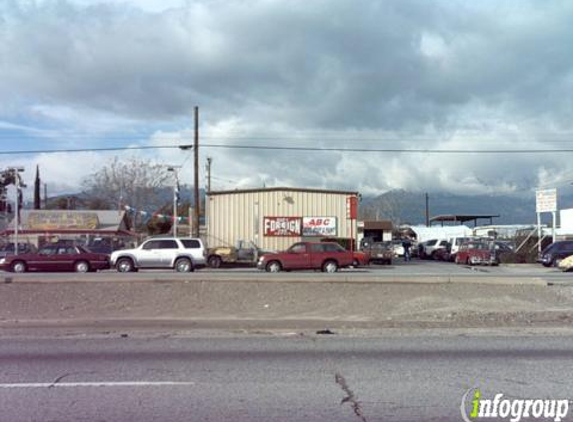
{"type": "Point", "coordinates": [350, 398]}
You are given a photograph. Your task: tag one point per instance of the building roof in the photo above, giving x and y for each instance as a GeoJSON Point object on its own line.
{"type": "Point", "coordinates": [424, 233]}
{"type": "Point", "coordinates": [280, 189]}
{"type": "Point", "coordinates": [378, 225]}
{"type": "Point", "coordinates": [462, 218]}
{"type": "Point", "coordinates": [96, 220]}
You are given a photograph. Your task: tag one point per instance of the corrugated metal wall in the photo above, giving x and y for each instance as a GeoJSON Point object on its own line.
{"type": "Point", "coordinates": [239, 216]}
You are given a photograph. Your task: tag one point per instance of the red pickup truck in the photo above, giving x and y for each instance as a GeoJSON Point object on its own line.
{"type": "Point", "coordinates": [325, 256]}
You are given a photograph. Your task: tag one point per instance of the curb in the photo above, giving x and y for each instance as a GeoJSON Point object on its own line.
{"type": "Point", "coordinates": [332, 279]}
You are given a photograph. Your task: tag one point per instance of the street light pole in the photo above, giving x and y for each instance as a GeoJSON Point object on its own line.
{"type": "Point", "coordinates": [175, 197]}
{"type": "Point", "coordinates": [16, 171]}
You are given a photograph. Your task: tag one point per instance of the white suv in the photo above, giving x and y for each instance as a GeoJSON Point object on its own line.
{"type": "Point", "coordinates": [179, 253]}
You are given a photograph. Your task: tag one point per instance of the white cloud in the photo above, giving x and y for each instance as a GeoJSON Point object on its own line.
{"type": "Point", "coordinates": [365, 74]}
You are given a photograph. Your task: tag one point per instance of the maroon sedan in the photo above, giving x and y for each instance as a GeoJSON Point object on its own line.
{"type": "Point", "coordinates": [56, 258]}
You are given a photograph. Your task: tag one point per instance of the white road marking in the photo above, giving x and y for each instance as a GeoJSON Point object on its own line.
{"type": "Point", "coordinates": [97, 384]}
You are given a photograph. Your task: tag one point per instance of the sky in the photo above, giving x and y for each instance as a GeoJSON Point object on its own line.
{"type": "Point", "coordinates": [358, 75]}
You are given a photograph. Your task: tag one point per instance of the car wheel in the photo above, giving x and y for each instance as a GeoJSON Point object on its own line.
{"type": "Point", "coordinates": [330, 267]}
{"type": "Point", "coordinates": [355, 263]}
{"type": "Point", "coordinates": [125, 265]}
{"type": "Point", "coordinates": [183, 265]}
{"type": "Point", "coordinates": [81, 267]}
{"type": "Point", "coordinates": [215, 261]}
{"type": "Point", "coordinates": [273, 267]}
{"type": "Point", "coordinates": [19, 267]}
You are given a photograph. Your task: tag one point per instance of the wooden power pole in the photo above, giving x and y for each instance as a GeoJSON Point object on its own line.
{"type": "Point", "coordinates": [196, 175]}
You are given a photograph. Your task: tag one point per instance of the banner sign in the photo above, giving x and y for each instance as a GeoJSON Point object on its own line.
{"type": "Point", "coordinates": [352, 208]}
{"type": "Point", "coordinates": [319, 226]}
{"type": "Point", "coordinates": [282, 226]}
{"type": "Point", "coordinates": [546, 200]}
{"type": "Point", "coordinates": [54, 220]}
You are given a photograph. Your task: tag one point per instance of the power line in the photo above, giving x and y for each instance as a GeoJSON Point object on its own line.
{"type": "Point", "coordinates": [395, 150]}
{"type": "Point", "coordinates": [293, 148]}
{"type": "Point", "coordinates": [103, 149]}
{"type": "Point", "coordinates": [318, 138]}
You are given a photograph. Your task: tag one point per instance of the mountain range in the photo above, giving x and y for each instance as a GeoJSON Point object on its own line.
{"type": "Point", "coordinates": [404, 207]}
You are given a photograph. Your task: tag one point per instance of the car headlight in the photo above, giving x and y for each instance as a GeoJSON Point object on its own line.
{"type": "Point", "coordinates": [262, 258]}
{"type": "Point", "coordinates": [2, 261]}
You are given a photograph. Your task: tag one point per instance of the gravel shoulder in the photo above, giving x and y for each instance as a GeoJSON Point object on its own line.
{"type": "Point", "coordinates": [251, 306]}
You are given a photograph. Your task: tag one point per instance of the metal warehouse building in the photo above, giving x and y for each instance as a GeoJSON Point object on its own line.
{"type": "Point", "coordinates": [275, 218]}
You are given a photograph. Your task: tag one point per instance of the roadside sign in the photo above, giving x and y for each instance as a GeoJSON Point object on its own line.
{"type": "Point", "coordinates": [282, 226]}
{"type": "Point", "coordinates": [319, 226]}
{"type": "Point", "coordinates": [546, 200]}
{"type": "Point", "coordinates": [352, 208]}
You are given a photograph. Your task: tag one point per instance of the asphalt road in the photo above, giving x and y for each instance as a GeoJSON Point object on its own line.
{"type": "Point", "coordinates": [291, 378]}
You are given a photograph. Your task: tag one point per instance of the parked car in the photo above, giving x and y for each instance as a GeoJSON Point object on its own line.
{"type": "Point", "coordinates": [430, 247]}
{"type": "Point", "coordinates": [179, 253]}
{"type": "Point", "coordinates": [476, 253]}
{"type": "Point", "coordinates": [361, 259]}
{"type": "Point", "coordinates": [380, 252]}
{"type": "Point", "coordinates": [443, 254]}
{"type": "Point", "coordinates": [555, 252]}
{"type": "Point", "coordinates": [566, 264]}
{"type": "Point", "coordinates": [9, 248]}
{"type": "Point", "coordinates": [325, 256]}
{"type": "Point", "coordinates": [455, 243]}
{"type": "Point", "coordinates": [501, 248]}
{"type": "Point", "coordinates": [56, 257]}
{"type": "Point", "coordinates": [398, 248]}
{"type": "Point", "coordinates": [244, 253]}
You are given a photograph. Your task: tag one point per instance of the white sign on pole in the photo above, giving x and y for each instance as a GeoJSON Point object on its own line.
{"type": "Point", "coordinates": [546, 200]}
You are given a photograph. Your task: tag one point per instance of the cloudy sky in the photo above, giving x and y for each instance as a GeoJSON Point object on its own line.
{"type": "Point", "coordinates": [337, 74]}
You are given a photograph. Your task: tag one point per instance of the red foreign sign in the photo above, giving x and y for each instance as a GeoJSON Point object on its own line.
{"type": "Point", "coordinates": [352, 207]}
{"type": "Point", "coordinates": [282, 226]}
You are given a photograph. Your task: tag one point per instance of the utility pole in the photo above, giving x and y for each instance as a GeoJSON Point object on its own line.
{"type": "Point", "coordinates": [17, 216]}
{"type": "Point", "coordinates": [196, 175]}
{"type": "Point", "coordinates": [37, 201]}
{"type": "Point", "coordinates": [209, 161]}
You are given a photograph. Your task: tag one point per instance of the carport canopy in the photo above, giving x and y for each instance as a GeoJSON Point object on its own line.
{"type": "Point", "coordinates": [462, 218]}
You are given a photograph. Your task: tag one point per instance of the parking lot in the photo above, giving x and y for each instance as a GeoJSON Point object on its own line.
{"type": "Point", "coordinates": [415, 271]}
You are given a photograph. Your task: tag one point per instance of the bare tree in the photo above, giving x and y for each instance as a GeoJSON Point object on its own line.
{"type": "Point", "coordinates": [134, 182]}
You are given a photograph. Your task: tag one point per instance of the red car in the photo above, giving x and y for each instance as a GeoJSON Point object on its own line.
{"type": "Point", "coordinates": [56, 258]}
{"type": "Point", "coordinates": [325, 256]}
{"type": "Point", "coordinates": [476, 253]}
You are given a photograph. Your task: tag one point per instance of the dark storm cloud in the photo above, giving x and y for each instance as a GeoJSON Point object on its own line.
{"type": "Point", "coordinates": [321, 63]}
{"type": "Point", "coordinates": [425, 73]}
